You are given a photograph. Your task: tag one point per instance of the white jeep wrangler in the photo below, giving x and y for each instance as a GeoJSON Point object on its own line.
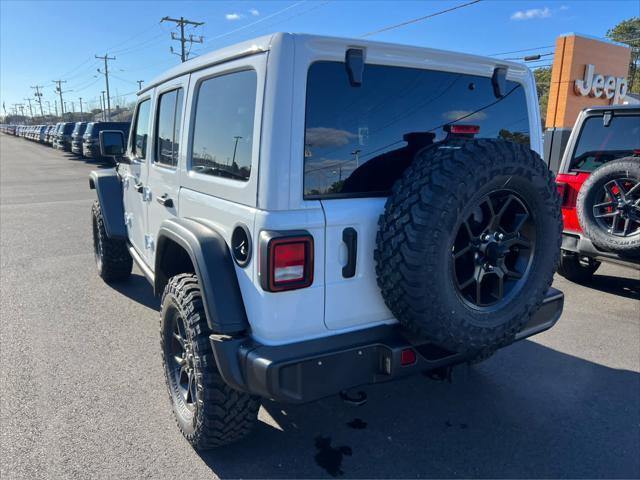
{"type": "Point", "coordinates": [320, 213]}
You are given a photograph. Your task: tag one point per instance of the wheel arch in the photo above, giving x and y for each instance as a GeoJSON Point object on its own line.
{"type": "Point", "coordinates": [187, 245]}
{"type": "Point", "coordinates": [108, 188]}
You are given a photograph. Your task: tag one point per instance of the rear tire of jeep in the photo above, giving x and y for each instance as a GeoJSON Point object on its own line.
{"type": "Point", "coordinates": [468, 243]}
{"type": "Point", "coordinates": [571, 268]}
{"type": "Point", "coordinates": [208, 412]}
{"type": "Point", "coordinates": [112, 256]}
{"type": "Point", "coordinates": [608, 206]}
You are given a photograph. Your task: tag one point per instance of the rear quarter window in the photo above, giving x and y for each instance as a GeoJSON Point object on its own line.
{"type": "Point", "coordinates": [359, 139]}
{"type": "Point", "coordinates": [598, 144]}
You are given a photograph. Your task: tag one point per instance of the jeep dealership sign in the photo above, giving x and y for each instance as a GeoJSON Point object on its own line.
{"type": "Point", "coordinates": [601, 86]}
{"type": "Point", "coordinates": [587, 72]}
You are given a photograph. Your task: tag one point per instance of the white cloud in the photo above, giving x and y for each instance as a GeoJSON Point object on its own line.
{"type": "Point", "coordinates": [531, 13]}
{"type": "Point", "coordinates": [327, 137]}
{"type": "Point", "coordinates": [564, 7]}
{"type": "Point", "coordinates": [233, 16]}
{"type": "Point", "coordinates": [254, 12]}
{"type": "Point", "coordinates": [464, 115]}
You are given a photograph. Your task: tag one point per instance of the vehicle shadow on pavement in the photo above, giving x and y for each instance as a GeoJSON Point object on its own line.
{"type": "Point", "coordinates": [616, 285]}
{"type": "Point", "coordinates": [529, 411]}
{"type": "Point", "coordinates": [138, 289]}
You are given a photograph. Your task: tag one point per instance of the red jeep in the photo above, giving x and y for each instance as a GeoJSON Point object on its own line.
{"type": "Point", "coordinates": [599, 182]}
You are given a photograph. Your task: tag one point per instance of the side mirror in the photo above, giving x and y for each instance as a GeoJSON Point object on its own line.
{"type": "Point", "coordinates": [111, 143]}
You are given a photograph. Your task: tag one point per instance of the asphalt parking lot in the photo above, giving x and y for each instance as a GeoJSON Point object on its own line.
{"type": "Point", "coordinates": [83, 395]}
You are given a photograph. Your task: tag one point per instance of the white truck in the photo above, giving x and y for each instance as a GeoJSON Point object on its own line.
{"type": "Point", "coordinates": [320, 213]}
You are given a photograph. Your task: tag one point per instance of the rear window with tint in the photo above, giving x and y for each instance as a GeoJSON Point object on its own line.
{"type": "Point", "coordinates": [598, 144]}
{"type": "Point", "coordinates": [68, 128]}
{"type": "Point", "coordinates": [359, 139]}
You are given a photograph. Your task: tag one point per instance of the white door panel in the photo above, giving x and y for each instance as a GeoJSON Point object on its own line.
{"type": "Point", "coordinates": [135, 181]}
{"type": "Point", "coordinates": [164, 179]}
{"type": "Point", "coordinates": [354, 301]}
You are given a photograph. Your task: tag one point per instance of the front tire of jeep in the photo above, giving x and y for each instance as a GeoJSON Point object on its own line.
{"type": "Point", "coordinates": [208, 412]}
{"type": "Point", "coordinates": [574, 270]}
{"type": "Point", "coordinates": [112, 257]}
{"type": "Point", "coordinates": [468, 243]}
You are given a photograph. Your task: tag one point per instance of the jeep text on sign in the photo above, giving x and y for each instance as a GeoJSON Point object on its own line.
{"type": "Point", "coordinates": [597, 85]}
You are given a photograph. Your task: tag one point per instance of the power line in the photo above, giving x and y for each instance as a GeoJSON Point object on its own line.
{"type": "Point", "coordinates": [419, 19]}
{"type": "Point", "coordinates": [529, 58]}
{"type": "Point", "coordinates": [520, 51]}
{"type": "Point", "coordinates": [182, 39]}
{"type": "Point", "coordinates": [256, 22]}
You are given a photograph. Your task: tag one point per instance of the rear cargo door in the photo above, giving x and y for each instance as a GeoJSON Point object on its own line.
{"type": "Point", "coordinates": [361, 137]}
{"type": "Point", "coordinates": [352, 294]}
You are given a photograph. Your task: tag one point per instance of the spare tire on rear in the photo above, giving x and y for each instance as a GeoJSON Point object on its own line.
{"type": "Point", "coordinates": [608, 206]}
{"type": "Point", "coordinates": [468, 242]}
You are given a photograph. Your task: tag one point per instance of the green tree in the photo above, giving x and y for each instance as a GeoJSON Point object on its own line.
{"type": "Point", "coordinates": [628, 32]}
{"type": "Point", "coordinates": [543, 83]}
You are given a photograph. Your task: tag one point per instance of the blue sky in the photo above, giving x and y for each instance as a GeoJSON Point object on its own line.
{"type": "Point", "coordinates": [44, 40]}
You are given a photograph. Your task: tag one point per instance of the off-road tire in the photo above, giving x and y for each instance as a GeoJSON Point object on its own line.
{"type": "Point", "coordinates": [413, 248]}
{"type": "Point", "coordinates": [628, 167]}
{"type": "Point", "coordinates": [112, 256]}
{"type": "Point", "coordinates": [222, 414]}
{"type": "Point", "coordinates": [572, 269]}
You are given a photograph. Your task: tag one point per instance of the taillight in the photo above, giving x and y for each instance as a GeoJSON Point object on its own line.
{"type": "Point", "coordinates": [462, 129]}
{"type": "Point", "coordinates": [286, 261]}
{"type": "Point", "coordinates": [562, 191]}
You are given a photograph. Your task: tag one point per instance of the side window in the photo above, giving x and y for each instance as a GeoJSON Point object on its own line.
{"type": "Point", "coordinates": [141, 130]}
{"type": "Point", "coordinates": [223, 131]}
{"type": "Point", "coordinates": [168, 127]}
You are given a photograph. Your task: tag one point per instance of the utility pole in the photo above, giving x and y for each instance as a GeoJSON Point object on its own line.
{"type": "Point", "coordinates": [104, 116]}
{"type": "Point", "coordinates": [60, 92]}
{"type": "Point", "coordinates": [106, 59]}
{"type": "Point", "coordinates": [30, 109]}
{"type": "Point", "coordinates": [48, 106]}
{"type": "Point", "coordinates": [39, 97]}
{"type": "Point", "coordinates": [81, 114]}
{"type": "Point", "coordinates": [73, 107]}
{"type": "Point", "coordinates": [55, 104]}
{"type": "Point", "coordinates": [182, 22]}
{"type": "Point", "coordinates": [140, 82]}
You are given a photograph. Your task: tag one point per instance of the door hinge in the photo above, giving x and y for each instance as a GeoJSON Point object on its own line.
{"type": "Point", "coordinates": [146, 194]}
{"type": "Point", "coordinates": [127, 219]}
{"type": "Point", "coordinates": [148, 242]}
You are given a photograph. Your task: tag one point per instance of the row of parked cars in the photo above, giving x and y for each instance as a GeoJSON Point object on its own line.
{"type": "Point", "coordinates": [80, 138]}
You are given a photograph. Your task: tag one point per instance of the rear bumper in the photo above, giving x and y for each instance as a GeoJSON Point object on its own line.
{"type": "Point", "coordinates": [579, 244]}
{"type": "Point", "coordinates": [306, 371]}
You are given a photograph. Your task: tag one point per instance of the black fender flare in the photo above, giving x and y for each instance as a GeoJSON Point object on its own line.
{"type": "Point", "coordinates": [214, 267]}
{"type": "Point", "coordinates": [108, 186]}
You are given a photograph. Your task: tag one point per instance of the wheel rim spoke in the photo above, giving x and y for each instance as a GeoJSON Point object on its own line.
{"type": "Point", "coordinates": [490, 267]}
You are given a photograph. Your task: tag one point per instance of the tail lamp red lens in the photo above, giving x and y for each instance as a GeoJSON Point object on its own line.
{"type": "Point", "coordinates": [562, 191]}
{"type": "Point", "coordinates": [407, 357]}
{"type": "Point", "coordinates": [289, 263]}
{"type": "Point", "coordinates": [462, 129]}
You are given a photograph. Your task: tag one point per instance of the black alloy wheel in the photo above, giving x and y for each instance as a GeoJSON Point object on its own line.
{"type": "Point", "coordinates": [98, 251]}
{"type": "Point", "coordinates": [181, 365]}
{"type": "Point", "coordinates": [618, 207]}
{"type": "Point", "coordinates": [493, 249]}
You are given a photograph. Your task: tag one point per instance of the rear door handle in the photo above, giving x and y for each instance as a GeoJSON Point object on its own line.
{"type": "Point", "coordinates": [350, 238]}
{"type": "Point", "coordinates": [165, 200]}
{"type": "Point", "coordinates": [139, 187]}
